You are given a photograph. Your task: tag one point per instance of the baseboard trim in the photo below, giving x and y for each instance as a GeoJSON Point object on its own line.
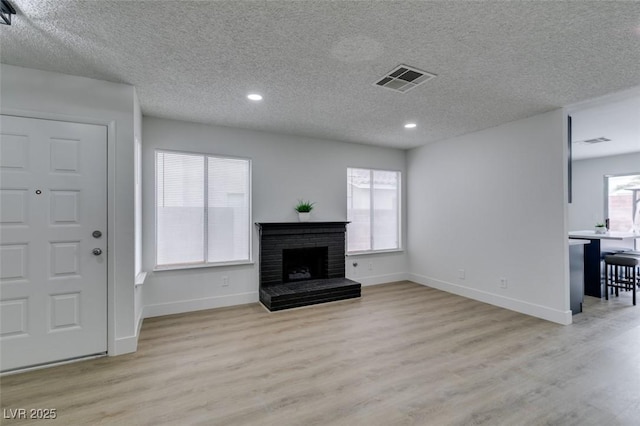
{"type": "Point", "coordinates": [125, 345]}
{"type": "Point", "coordinates": [183, 306]}
{"type": "Point", "coordinates": [538, 311]}
{"type": "Point", "coordinates": [140, 321]}
{"type": "Point", "coordinates": [380, 279]}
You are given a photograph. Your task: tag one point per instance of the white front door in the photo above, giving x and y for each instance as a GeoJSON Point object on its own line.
{"type": "Point", "coordinates": [53, 262]}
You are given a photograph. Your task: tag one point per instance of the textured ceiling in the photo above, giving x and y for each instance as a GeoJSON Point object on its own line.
{"type": "Point", "coordinates": [614, 119]}
{"type": "Point", "coordinates": [315, 61]}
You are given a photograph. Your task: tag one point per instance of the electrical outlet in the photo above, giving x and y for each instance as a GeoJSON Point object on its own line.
{"type": "Point", "coordinates": [371, 266]}
{"type": "Point", "coordinates": [225, 281]}
{"type": "Point", "coordinates": [461, 274]}
{"type": "Point", "coordinates": [503, 283]}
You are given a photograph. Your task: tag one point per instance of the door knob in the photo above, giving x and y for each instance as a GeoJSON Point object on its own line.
{"type": "Point", "coordinates": [97, 252]}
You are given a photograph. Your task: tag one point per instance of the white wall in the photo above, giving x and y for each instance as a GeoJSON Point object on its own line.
{"type": "Point", "coordinates": [137, 158]}
{"type": "Point", "coordinates": [587, 206]}
{"type": "Point", "coordinates": [493, 203]}
{"type": "Point", "coordinates": [284, 169]}
{"type": "Point", "coordinates": [34, 93]}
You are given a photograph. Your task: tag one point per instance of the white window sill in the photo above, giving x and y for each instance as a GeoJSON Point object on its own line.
{"type": "Point", "coordinates": [201, 265]}
{"type": "Point", "coordinates": [369, 252]}
{"type": "Point", "coordinates": [140, 278]}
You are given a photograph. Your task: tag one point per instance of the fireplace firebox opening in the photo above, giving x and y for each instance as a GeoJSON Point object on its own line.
{"type": "Point", "coordinates": [304, 264]}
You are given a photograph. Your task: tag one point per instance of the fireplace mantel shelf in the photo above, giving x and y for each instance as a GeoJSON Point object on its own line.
{"type": "Point", "coordinates": [298, 224]}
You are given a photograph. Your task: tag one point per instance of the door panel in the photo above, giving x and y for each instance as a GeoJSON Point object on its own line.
{"type": "Point", "coordinates": [53, 195]}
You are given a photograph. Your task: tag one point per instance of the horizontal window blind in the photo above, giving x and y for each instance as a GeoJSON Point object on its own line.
{"type": "Point", "coordinates": [373, 210]}
{"type": "Point", "coordinates": [202, 209]}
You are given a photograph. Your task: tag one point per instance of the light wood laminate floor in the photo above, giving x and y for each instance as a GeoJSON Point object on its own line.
{"type": "Point", "coordinates": [403, 354]}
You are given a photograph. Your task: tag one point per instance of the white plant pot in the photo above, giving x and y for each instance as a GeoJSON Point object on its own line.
{"type": "Point", "coordinates": [601, 230]}
{"type": "Point", "coordinates": [304, 217]}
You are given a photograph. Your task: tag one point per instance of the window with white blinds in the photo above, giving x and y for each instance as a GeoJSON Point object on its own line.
{"type": "Point", "coordinates": [373, 210]}
{"type": "Point", "coordinates": [203, 206]}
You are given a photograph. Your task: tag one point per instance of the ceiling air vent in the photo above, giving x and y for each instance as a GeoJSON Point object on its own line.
{"type": "Point", "coordinates": [595, 140]}
{"type": "Point", "coordinates": [403, 78]}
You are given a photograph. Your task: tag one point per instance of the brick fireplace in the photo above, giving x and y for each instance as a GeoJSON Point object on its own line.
{"type": "Point", "coordinates": [303, 263]}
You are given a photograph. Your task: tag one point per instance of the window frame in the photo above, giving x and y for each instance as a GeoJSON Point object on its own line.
{"type": "Point", "coordinates": [605, 185]}
{"type": "Point", "coordinates": [399, 247]}
{"type": "Point", "coordinates": [205, 263]}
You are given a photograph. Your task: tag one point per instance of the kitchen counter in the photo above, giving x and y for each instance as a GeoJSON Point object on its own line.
{"type": "Point", "coordinates": [612, 241]}
{"type": "Point", "coordinates": [611, 235]}
{"type": "Point", "coordinates": [576, 276]}
{"type": "Point", "coordinates": [578, 242]}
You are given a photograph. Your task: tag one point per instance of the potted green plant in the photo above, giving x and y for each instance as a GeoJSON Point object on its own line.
{"type": "Point", "coordinates": [304, 210]}
{"type": "Point", "coordinates": [601, 228]}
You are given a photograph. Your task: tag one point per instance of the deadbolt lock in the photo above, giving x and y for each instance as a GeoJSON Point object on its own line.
{"type": "Point", "coordinates": [97, 234]}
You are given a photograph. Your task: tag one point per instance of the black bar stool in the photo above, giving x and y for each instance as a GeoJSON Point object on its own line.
{"type": "Point", "coordinates": [621, 273]}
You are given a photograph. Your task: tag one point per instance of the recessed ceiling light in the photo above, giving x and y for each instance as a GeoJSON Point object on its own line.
{"type": "Point", "coordinates": [410, 125]}
{"type": "Point", "coordinates": [254, 97]}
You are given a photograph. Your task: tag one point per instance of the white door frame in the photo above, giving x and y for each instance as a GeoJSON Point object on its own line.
{"type": "Point", "coordinates": [111, 162]}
